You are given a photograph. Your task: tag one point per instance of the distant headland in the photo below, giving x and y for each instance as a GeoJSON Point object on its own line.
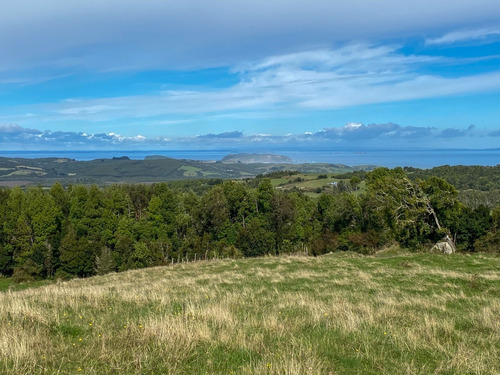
{"type": "Point", "coordinates": [255, 158]}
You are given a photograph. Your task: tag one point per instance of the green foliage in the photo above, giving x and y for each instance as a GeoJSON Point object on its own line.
{"type": "Point", "coordinates": [416, 212]}
{"type": "Point", "coordinates": [472, 225]}
{"type": "Point", "coordinates": [215, 210]}
{"type": "Point", "coordinates": [255, 239]}
{"type": "Point", "coordinates": [490, 242]}
{"type": "Point", "coordinates": [462, 177]}
{"type": "Point", "coordinates": [265, 193]}
{"type": "Point", "coordinates": [144, 256]}
{"type": "Point", "coordinates": [77, 255]}
{"type": "Point", "coordinates": [87, 230]}
{"type": "Point", "coordinates": [231, 251]}
{"type": "Point", "coordinates": [475, 198]}
{"type": "Point", "coordinates": [326, 243]}
{"type": "Point", "coordinates": [354, 182]}
{"type": "Point", "coordinates": [442, 197]}
{"type": "Point", "coordinates": [283, 214]}
{"type": "Point", "coordinates": [105, 262]}
{"type": "Point", "coordinates": [27, 271]}
{"type": "Point", "coordinates": [6, 260]}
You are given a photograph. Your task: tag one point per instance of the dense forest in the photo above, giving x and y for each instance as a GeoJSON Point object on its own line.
{"type": "Point", "coordinates": [85, 230]}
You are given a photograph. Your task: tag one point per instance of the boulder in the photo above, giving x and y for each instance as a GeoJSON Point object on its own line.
{"type": "Point", "coordinates": [446, 246]}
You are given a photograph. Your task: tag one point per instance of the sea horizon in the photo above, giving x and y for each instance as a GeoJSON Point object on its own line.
{"type": "Point", "coordinates": [385, 158]}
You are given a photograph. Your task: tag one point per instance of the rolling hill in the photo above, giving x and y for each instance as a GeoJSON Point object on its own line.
{"type": "Point", "coordinates": [343, 313]}
{"type": "Point", "coordinates": [45, 171]}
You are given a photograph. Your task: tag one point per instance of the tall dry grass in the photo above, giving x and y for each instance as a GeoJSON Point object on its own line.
{"type": "Point", "coordinates": [338, 314]}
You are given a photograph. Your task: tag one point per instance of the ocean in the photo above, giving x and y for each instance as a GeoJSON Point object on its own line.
{"type": "Point", "coordinates": [386, 158]}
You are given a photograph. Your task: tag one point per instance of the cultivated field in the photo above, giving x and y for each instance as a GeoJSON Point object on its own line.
{"type": "Point", "coordinates": [336, 314]}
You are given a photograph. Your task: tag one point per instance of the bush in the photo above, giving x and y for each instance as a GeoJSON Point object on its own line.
{"type": "Point", "coordinates": [105, 262]}
{"type": "Point", "coordinates": [28, 271]}
{"type": "Point", "coordinates": [231, 251]}
{"type": "Point", "coordinates": [63, 275]}
{"type": "Point", "coordinates": [490, 243]}
{"type": "Point", "coordinates": [327, 243]}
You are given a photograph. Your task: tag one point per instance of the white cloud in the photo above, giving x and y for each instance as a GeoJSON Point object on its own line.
{"type": "Point", "coordinates": [27, 80]}
{"type": "Point", "coordinates": [353, 125]}
{"type": "Point", "coordinates": [91, 109]}
{"type": "Point", "coordinates": [315, 80]}
{"type": "Point", "coordinates": [16, 129]}
{"type": "Point", "coordinates": [276, 86]}
{"type": "Point", "coordinates": [350, 136]}
{"type": "Point", "coordinates": [132, 35]}
{"type": "Point", "coordinates": [465, 36]}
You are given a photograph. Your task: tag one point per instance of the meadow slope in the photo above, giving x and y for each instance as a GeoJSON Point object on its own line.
{"type": "Point", "coordinates": [335, 314]}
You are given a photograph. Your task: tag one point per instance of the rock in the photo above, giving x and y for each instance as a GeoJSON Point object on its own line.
{"type": "Point", "coordinates": [446, 246]}
{"type": "Point", "coordinates": [443, 247]}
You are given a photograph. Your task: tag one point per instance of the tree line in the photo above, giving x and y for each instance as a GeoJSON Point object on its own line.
{"type": "Point", "coordinates": [86, 230]}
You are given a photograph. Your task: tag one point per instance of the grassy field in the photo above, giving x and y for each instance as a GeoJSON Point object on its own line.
{"type": "Point", "coordinates": [309, 183]}
{"type": "Point", "coordinates": [336, 314]}
{"type": "Point", "coordinates": [46, 171]}
{"type": "Point", "coordinates": [8, 284]}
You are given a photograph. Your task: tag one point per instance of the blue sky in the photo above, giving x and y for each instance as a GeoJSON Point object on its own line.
{"type": "Point", "coordinates": [255, 75]}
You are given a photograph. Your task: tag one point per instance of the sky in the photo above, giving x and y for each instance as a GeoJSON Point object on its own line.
{"type": "Point", "coordinates": [252, 75]}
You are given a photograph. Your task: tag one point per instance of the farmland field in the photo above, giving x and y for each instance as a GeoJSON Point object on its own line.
{"type": "Point", "coordinates": [342, 313]}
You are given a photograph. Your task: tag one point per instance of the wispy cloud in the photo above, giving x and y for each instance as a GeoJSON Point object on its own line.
{"type": "Point", "coordinates": [225, 135]}
{"type": "Point", "coordinates": [13, 129]}
{"type": "Point", "coordinates": [356, 131]}
{"type": "Point", "coordinates": [85, 110]}
{"type": "Point", "coordinates": [26, 80]}
{"type": "Point", "coordinates": [324, 79]}
{"type": "Point", "coordinates": [482, 34]}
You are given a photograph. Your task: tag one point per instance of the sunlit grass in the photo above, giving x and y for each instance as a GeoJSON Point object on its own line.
{"type": "Point", "coordinates": [337, 314]}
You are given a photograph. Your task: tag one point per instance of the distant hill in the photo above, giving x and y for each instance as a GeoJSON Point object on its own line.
{"type": "Point", "coordinates": [46, 171]}
{"type": "Point", "coordinates": [255, 158]}
{"type": "Point", "coordinates": [155, 157]}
